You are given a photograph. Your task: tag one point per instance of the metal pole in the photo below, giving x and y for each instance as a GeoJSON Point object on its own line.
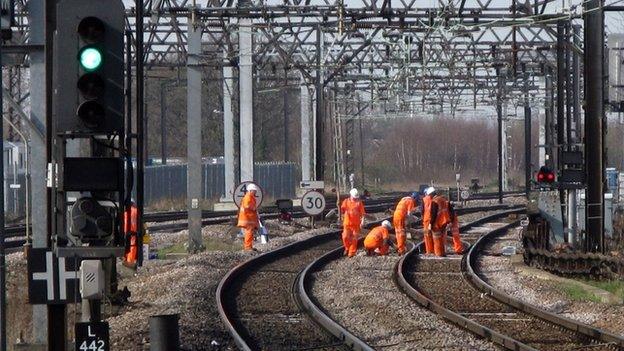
{"type": "Point", "coordinates": [499, 114]}
{"type": "Point", "coordinates": [306, 133]}
{"type": "Point", "coordinates": [246, 100]}
{"type": "Point", "coordinates": [576, 86]}
{"type": "Point", "coordinates": [38, 156]}
{"type": "Point", "coordinates": [561, 127]}
{"type": "Point", "coordinates": [570, 106]}
{"type": "Point", "coordinates": [285, 111]}
{"type": "Point", "coordinates": [140, 122]}
{"type": "Point", "coordinates": [527, 134]}
{"type": "Point", "coordinates": [561, 78]}
{"type": "Point", "coordinates": [548, 119]}
{"type": "Point", "coordinates": [361, 147]}
{"type": "Point", "coordinates": [163, 127]}
{"type": "Point", "coordinates": [3, 333]}
{"type": "Point", "coordinates": [568, 89]}
{"type": "Point", "coordinates": [320, 108]}
{"type": "Point", "coordinates": [194, 134]}
{"type": "Point", "coordinates": [228, 131]}
{"type": "Point", "coordinates": [57, 323]}
{"type": "Point", "coordinates": [594, 114]}
{"type": "Point", "coordinates": [128, 129]}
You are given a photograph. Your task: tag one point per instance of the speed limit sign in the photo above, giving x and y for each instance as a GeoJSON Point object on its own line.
{"type": "Point", "coordinates": [313, 203]}
{"type": "Point", "coordinates": [464, 194]}
{"type": "Point", "coordinates": [241, 190]}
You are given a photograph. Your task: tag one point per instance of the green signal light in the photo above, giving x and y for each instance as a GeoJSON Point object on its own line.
{"type": "Point", "coordinates": [90, 59]}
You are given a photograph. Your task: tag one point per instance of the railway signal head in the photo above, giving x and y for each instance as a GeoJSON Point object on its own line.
{"type": "Point", "coordinates": [545, 175]}
{"type": "Point", "coordinates": [89, 91]}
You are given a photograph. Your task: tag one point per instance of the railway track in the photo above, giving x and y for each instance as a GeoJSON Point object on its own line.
{"type": "Point", "coordinates": [262, 308]}
{"type": "Point", "coordinates": [265, 302]}
{"type": "Point", "coordinates": [452, 288]}
{"type": "Point", "coordinates": [16, 233]}
{"type": "Point", "coordinates": [414, 327]}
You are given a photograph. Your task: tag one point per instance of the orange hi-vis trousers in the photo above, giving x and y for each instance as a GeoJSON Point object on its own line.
{"type": "Point", "coordinates": [399, 231]}
{"type": "Point", "coordinates": [439, 242]}
{"type": "Point", "coordinates": [248, 237]}
{"type": "Point", "coordinates": [428, 238]}
{"type": "Point", "coordinates": [457, 244]}
{"type": "Point", "coordinates": [350, 236]}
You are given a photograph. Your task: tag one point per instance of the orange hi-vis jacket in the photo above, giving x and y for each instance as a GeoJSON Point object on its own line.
{"type": "Point", "coordinates": [248, 211]}
{"type": "Point", "coordinates": [131, 220]}
{"type": "Point", "coordinates": [426, 219]}
{"type": "Point", "coordinates": [442, 216]}
{"type": "Point", "coordinates": [353, 210]}
{"type": "Point", "coordinates": [376, 237]}
{"type": "Point", "coordinates": [405, 206]}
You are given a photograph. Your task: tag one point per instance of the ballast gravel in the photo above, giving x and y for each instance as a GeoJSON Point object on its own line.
{"type": "Point", "coordinates": [186, 287]}
{"type": "Point", "coordinates": [359, 293]}
{"type": "Point", "coordinates": [498, 271]}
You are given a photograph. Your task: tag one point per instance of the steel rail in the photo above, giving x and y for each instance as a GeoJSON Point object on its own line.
{"type": "Point", "coordinates": [317, 313]}
{"type": "Point", "coordinates": [473, 278]}
{"type": "Point", "coordinates": [447, 314]}
{"type": "Point", "coordinates": [219, 217]}
{"type": "Point", "coordinates": [309, 307]}
{"type": "Point", "coordinates": [575, 326]}
{"type": "Point", "coordinates": [228, 280]}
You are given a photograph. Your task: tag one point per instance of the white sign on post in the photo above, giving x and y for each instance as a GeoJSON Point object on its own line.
{"type": "Point", "coordinates": [313, 203]}
{"type": "Point", "coordinates": [241, 190]}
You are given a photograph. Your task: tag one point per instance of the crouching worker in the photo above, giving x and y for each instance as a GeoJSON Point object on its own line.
{"type": "Point", "coordinates": [378, 240]}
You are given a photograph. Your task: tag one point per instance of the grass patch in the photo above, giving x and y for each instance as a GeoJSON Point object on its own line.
{"type": "Point", "coordinates": [577, 293]}
{"type": "Point", "coordinates": [212, 244]}
{"type": "Point", "coordinates": [616, 287]}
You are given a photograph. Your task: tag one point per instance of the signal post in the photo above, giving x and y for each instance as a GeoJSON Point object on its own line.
{"type": "Point", "coordinates": [88, 191]}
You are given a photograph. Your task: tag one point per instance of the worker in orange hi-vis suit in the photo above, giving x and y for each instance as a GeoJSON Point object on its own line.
{"type": "Point", "coordinates": [457, 244]}
{"type": "Point", "coordinates": [248, 216]}
{"type": "Point", "coordinates": [405, 207]}
{"type": "Point", "coordinates": [377, 240]}
{"type": "Point", "coordinates": [440, 218]}
{"type": "Point", "coordinates": [426, 219]}
{"type": "Point", "coordinates": [353, 211]}
{"type": "Point", "coordinates": [131, 231]}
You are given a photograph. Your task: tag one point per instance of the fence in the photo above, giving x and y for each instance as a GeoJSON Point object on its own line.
{"type": "Point", "coordinates": [278, 180]}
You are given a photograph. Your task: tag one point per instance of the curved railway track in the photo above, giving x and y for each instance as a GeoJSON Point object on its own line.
{"type": "Point", "coordinates": [261, 307]}
{"type": "Point", "coordinates": [452, 288]}
{"type": "Point", "coordinates": [265, 303]}
{"type": "Point", "coordinates": [315, 309]}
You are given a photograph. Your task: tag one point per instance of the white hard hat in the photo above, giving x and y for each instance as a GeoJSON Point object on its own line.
{"type": "Point", "coordinates": [430, 190]}
{"type": "Point", "coordinates": [252, 187]}
{"type": "Point", "coordinates": [354, 193]}
{"type": "Point", "coordinates": [386, 224]}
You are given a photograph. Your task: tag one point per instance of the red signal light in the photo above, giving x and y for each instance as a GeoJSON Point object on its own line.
{"type": "Point", "coordinates": [545, 175]}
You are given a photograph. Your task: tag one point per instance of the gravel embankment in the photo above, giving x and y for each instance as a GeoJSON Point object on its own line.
{"type": "Point", "coordinates": [499, 272]}
{"type": "Point", "coordinates": [187, 287]}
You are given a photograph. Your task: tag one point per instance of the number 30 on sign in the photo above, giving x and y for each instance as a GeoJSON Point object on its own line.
{"type": "Point", "coordinates": [313, 203]}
